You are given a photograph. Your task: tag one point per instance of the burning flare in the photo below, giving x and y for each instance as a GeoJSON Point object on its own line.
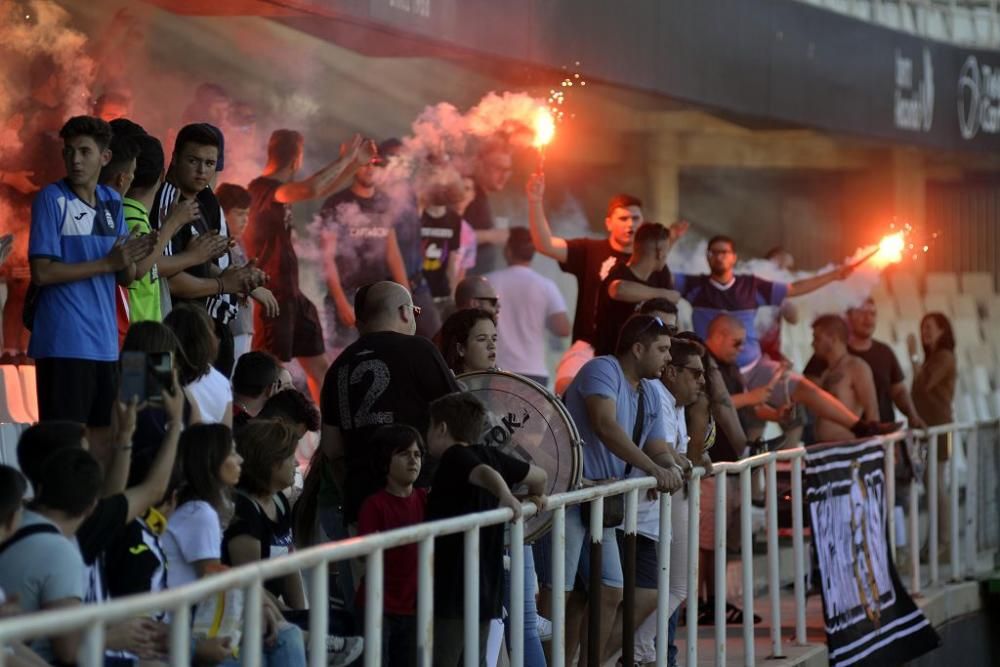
{"type": "Point", "coordinates": [890, 250]}
{"type": "Point", "coordinates": [545, 128]}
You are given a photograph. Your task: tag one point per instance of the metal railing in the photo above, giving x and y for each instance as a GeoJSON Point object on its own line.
{"type": "Point", "coordinates": [93, 620]}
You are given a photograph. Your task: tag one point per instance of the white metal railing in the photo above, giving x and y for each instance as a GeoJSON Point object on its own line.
{"type": "Point", "coordinates": [92, 620]}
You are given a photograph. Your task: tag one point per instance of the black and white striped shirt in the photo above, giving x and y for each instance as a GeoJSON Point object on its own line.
{"type": "Point", "coordinates": [221, 307]}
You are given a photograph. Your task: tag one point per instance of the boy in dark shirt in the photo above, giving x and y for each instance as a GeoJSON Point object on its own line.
{"type": "Point", "coordinates": [469, 478]}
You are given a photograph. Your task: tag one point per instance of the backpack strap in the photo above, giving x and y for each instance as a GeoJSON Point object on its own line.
{"type": "Point", "coordinates": [28, 531]}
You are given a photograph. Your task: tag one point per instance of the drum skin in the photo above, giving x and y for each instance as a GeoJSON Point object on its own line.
{"type": "Point", "coordinates": [528, 422]}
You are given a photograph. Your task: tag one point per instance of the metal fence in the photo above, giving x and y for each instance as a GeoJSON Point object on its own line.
{"type": "Point", "coordinates": [980, 511]}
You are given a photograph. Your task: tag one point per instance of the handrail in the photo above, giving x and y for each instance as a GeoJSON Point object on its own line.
{"type": "Point", "coordinates": [93, 618]}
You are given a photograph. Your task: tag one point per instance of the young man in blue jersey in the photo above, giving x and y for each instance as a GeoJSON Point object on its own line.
{"type": "Point", "coordinates": [739, 297]}
{"type": "Point", "coordinates": [78, 250]}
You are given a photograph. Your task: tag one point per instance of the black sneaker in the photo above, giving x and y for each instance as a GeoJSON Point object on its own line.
{"type": "Point", "coordinates": [868, 429]}
{"type": "Point", "coordinates": [759, 446]}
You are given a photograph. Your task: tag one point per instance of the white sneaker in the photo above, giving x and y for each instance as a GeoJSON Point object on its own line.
{"type": "Point", "coordinates": [544, 626]}
{"type": "Point", "coordinates": [342, 651]}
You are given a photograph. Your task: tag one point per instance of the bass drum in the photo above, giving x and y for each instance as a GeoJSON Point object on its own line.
{"type": "Point", "coordinates": [529, 423]}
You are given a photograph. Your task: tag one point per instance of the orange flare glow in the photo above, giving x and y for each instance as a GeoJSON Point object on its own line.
{"type": "Point", "coordinates": [890, 250]}
{"type": "Point", "coordinates": [545, 128]}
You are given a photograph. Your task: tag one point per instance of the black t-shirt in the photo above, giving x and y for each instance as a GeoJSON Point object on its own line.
{"type": "Point", "coordinates": [382, 378]}
{"type": "Point", "coordinates": [268, 238]}
{"type": "Point", "coordinates": [362, 226]}
{"type": "Point", "coordinates": [479, 215]}
{"type": "Point", "coordinates": [885, 370]}
{"type": "Point", "coordinates": [590, 260]}
{"type": "Point", "coordinates": [453, 495]}
{"type": "Point", "coordinates": [275, 537]}
{"type": "Point", "coordinates": [440, 237]}
{"type": "Point", "coordinates": [137, 561]}
{"type": "Point", "coordinates": [610, 314]}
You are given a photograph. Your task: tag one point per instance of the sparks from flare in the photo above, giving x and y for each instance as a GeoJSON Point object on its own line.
{"type": "Point", "coordinates": [890, 250]}
{"type": "Point", "coordinates": [545, 129]}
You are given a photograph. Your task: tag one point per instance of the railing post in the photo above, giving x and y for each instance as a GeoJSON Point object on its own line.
{"type": "Point", "coordinates": [663, 578]}
{"type": "Point", "coordinates": [914, 520]}
{"type": "Point", "coordinates": [953, 489]}
{"type": "Point", "coordinates": [890, 495]}
{"type": "Point", "coordinates": [559, 587]}
{"type": "Point", "coordinates": [721, 519]}
{"type": "Point", "coordinates": [694, 505]}
{"type": "Point", "coordinates": [773, 585]}
{"type": "Point", "coordinates": [425, 602]}
{"type": "Point", "coordinates": [180, 636]}
{"type": "Point", "coordinates": [972, 502]}
{"type": "Point", "coordinates": [594, 633]}
{"type": "Point", "coordinates": [92, 647]}
{"type": "Point", "coordinates": [746, 554]}
{"type": "Point", "coordinates": [319, 609]}
{"type": "Point", "coordinates": [798, 552]}
{"type": "Point", "coordinates": [932, 507]}
{"type": "Point", "coordinates": [471, 572]}
{"type": "Point", "coordinates": [251, 648]}
{"type": "Point", "coordinates": [628, 572]}
{"type": "Point", "coordinates": [516, 610]}
{"type": "Point", "coordinates": [374, 593]}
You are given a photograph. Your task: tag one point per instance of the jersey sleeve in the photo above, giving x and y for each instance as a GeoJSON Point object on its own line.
{"type": "Point", "coordinates": [46, 226]}
{"type": "Point", "coordinates": [599, 379]}
{"type": "Point", "coordinates": [576, 257]}
{"type": "Point", "coordinates": [770, 293]}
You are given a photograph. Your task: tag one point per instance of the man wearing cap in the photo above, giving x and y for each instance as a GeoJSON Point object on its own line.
{"type": "Point", "coordinates": [359, 248]}
{"type": "Point", "coordinates": [296, 331]}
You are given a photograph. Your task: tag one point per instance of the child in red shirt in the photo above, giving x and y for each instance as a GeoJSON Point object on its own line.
{"type": "Point", "coordinates": [399, 454]}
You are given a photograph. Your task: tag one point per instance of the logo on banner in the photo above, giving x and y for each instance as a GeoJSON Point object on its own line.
{"type": "Point", "coordinates": [869, 617]}
{"type": "Point", "coordinates": [913, 107]}
{"type": "Point", "coordinates": [978, 98]}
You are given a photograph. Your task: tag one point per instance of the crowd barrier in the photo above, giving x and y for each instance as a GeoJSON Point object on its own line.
{"type": "Point", "coordinates": [981, 510]}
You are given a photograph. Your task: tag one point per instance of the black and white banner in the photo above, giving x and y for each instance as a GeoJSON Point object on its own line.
{"type": "Point", "coordinates": [870, 618]}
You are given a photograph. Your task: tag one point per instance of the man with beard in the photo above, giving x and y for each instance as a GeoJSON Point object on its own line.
{"type": "Point", "coordinates": [590, 260]}
{"type": "Point", "coordinates": [296, 331]}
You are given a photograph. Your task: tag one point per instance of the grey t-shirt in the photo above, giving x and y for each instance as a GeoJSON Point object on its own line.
{"type": "Point", "coordinates": [40, 569]}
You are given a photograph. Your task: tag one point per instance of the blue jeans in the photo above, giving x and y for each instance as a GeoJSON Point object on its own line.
{"type": "Point", "coordinates": [533, 654]}
{"type": "Point", "coordinates": [671, 634]}
{"type": "Point", "coordinates": [289, 650]}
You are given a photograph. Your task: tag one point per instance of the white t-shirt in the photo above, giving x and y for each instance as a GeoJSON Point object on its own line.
{"type": "Point", "coordinates": [193, 534]}
{"type": "Point", "coordinates": [213, 393]}
{"type": "Point", "coordinates": [527, 300]}
{"type": "Point", "coordinates": [675, 428]}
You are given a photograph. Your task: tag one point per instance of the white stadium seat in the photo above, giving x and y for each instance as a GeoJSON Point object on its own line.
{"type": "Point", "coordinates": [981, 355]}
{"type": "Point", "coordinates": [978, 284]}
{"type": "Point", "coordinates": [12, 409]}
{"type": "Point", "coordinates": [966, 332]}
{"type": "Point", "coordinates": [941, 283]}
{"type": "Point", "coordinates": [910, 306]}
{"type": "Point", "coordinates": [903, 284]}
{"type": "Point", "coordinates": [965, 408]}
{"type": "Point", "coordinates": [938, 303]}
{"type": "Point", "coordinates": [904, 327]}
{"type": "Point", "coordinates": [964, 305]}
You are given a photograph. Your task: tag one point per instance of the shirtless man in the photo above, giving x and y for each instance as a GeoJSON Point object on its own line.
{"type": "Point", "coordinates": [847, 377]}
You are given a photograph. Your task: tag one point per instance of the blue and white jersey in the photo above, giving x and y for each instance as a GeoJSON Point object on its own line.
{"type": "Point", "coordinates": [75, 319]}
{"type": "Point", "coordinates": [741, 298]}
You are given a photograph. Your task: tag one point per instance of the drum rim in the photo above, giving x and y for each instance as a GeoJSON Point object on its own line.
{"type": "Point", "coordinates": [576, 444]}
